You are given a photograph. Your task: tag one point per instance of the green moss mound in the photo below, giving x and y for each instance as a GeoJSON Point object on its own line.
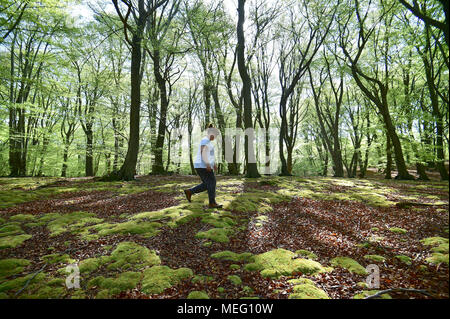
{"type": "Point", "coordinates": [306, 254]}
{"type": "Point", "coordinates": [10, 229]}
{"type": "Point", "coordinates": [367, 293]}
{"type": "Point", "coordinates": [216, 234]}
{"type": "Point", "coordinates": [282, 262]}
{"type": "Point", "coordinates": [404, 259]}
{"type": "Point", "coordinates": [439, 250]}
{"type": "Point", "coordinates": [22, 218]}
{"type": "Point", "coordinates": [56, 259]}
{"type": "Point", "coordinates": [375, 258]}
{"type": "Point", "coordinates": [350, 264]}
{"type": "Point", "coordinates": [198, 295]}
{"type": "Point", "coordinates": [40, 286]}
{"type": "Point", "coordinates": [398, 230]}
{"type": "Point", "coordinates": [12, 266]}
{"type": "Point", "coordinates": [13, 241]}
{"type": "Point", "coordinates": [158, 278]}
{"type": "Point", "coordinates": [127, 255]}
{"type": "Point", "coordinates": [236, 280]}
{"type": "Point", "coordinates": [125, 281]}
{"type": "Point", "coordinates": [139, 227]}
{"type": "Point", "coordinates": [308, 291]}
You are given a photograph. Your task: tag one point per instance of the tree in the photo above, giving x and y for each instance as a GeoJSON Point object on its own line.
{"type": "Point", "coordinates": [375, 89]}
{"type": "Point", "coordinates": [140, 13]}
{"type": "Point", "coordinates": [296, 54]}
{"type": "Point", "coordinates": [250, 158]}
{"type": "Point", "coordinates": [420, 11]}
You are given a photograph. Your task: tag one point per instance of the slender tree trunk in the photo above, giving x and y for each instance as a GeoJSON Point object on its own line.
{"type": "Point", "coordinates": [89, 153]}
{"type": "Point", "coordinates": [65, 156]}
{"type": "Point", "coordinates": [250, 158]}
{"type": "Point", "coordinates": [388, 157]}
{"type": "Point", "coordinates": [158, 167]}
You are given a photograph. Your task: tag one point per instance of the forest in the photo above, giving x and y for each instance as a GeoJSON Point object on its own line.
{"type": "Point", "coordinates": [333, 148]}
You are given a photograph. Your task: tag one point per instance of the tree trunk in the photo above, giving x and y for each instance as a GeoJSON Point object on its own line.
{"type": "Point", "coordinates": [388, 158]}
{"type": "Point", "coordinates": [65, 156]}
{"type": "Point", "coordinates": [250, 158]}
{"type": "Point", "coordinates": [128, 169]}
{"type": "Point", "coordinates": [89, 170]}
{"type": "Point", "coordinates": [158, 167]}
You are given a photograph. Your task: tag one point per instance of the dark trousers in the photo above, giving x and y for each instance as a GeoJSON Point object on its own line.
{"type": "Point", "coordinates": [208, 183]}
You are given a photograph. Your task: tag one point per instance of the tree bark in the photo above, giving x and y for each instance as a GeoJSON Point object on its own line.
{"type": "Point", "coordinates": [250, 158]}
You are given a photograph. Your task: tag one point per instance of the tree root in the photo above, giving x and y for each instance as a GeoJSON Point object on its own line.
{"type": "Point", "coordinates": [379, 293]}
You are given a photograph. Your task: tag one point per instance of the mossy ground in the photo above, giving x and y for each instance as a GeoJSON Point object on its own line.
{"type": "Point", "coordinates": [122, 260]}
{"type": "Point", "coordinates": [282, 262]}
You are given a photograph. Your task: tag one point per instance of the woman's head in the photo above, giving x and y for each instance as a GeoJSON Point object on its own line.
{"type": "Point", "coordinates": [211, 132]}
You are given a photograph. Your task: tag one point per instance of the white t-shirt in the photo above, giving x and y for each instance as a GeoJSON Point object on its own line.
{"type": "Point", "coordinates": [199, 162]}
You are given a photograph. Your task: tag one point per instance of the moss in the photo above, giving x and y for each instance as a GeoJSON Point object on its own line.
{"type": "Point", "coordinates": [74, 223]}
{"type": "Point", "coordinates": [350, 264]}
{"type": "Point", "coordinates": [375, 239]}
{"type": "Point", "coordinates": [364, 245]}
{"type": "Point", "coordinates": [434, 241]}
{"type": "Point", "coordinates": [255, 201]}
{"type": "Point", "coordinates": [439, 250]}
{"type": "Point", "coordinates": [362, 284]}
{"type": "Point", "coordinates": [56, 259]}
{"type": "Point", "coordinates": [279, 262]}
{"type": "Point", "coordinates": [306, 253]}
{"type": "Point", "coordinates": [375, 258]}
{"type": "Point", "coordinates": [131, 255]}
{"type": "Point", "coordinates": [103, 294]}
{"type": "Point", "coordinates": [236, 280]}
{"type": "Point", "coordinates": [216, 234]}
{"type": "Point", "coordinates": [198, 295]}
{"type": "Point", "coordinates": [143, 228]}
{"type": "Point", "coordinates": [12, 266]}
{"type": "Point", "coordinates": [174, 214]}
{"type": "Point", "coordinates": [218, 220]}
{"type": "Point", "coordinates": [234, 267]}
{"type": "Point", "coordinates": [158, 278]}
{"type": "Point", "coordinates": [404, 259]}
{"type": "Point", "coordinates": [442, 248]}
{"type": "Point", "coordinates": [17, 283]}
{"type": "Point", "coordinates": [220, 290]}
{"type": "Point", "coordinates": [22, 218]}
{"type": "Point", "coordinates": [207, 244]}
{"type": "Point", "coordinates": [438, 258]}
{"type": "Point", "coordinates": [13, 241]}
{"type": "Point", "coordinates": [247, 290]}
{"type": "Point", "coordinates": [123, 282]}
{"type": "Point", "coordinates": [374, 229]}
{"type": "Point", "coordinates": [89, 265]}
{"type": "Point", "coordinates": [78, 294]}
{"type": "Point", "coordinates": [127, 255]}
{"type": "Point", "coordinates": [229, 255]}
{"type": "Point", "coordinates": [398, 230]}
{"type": "Point", "coordinates": [308, 291]}
{"type": "Point", "coordinates": [10, 229]}
{"type": "Point", "coordinates": [367, 293]}
{"type": "Point", "coordinates": [201, 279]}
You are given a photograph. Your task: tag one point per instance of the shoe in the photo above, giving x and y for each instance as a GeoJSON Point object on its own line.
{"type": "Point", "coordinates": [188, 194]}
{"type": "Point", "coordinates": [215, 205]}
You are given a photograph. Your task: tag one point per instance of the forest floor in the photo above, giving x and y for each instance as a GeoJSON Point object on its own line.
{"type": "Point", "coordinates": [276, 237]}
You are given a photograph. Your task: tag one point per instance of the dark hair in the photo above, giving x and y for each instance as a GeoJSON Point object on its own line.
{"type": "Point", "coordinates": [210, 125]}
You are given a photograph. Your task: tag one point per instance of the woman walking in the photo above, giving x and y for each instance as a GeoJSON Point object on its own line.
{"type": "Point", "coordinates": [205, 166]}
